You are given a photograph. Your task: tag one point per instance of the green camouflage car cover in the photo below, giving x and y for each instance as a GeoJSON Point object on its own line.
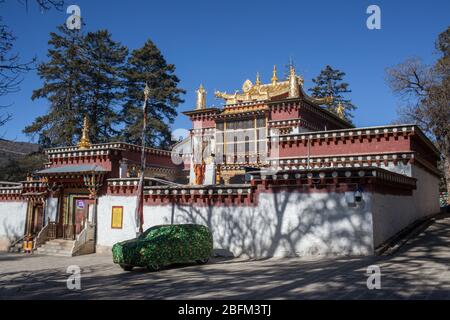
{"type": "Point", "coordinates": [165, 244]}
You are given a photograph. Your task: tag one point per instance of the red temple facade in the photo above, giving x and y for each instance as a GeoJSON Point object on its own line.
{"type": "Point", "coordinates": [272, 173]}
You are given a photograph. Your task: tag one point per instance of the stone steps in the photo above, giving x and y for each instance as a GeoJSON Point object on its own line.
{"type": "Point", "coordinates": [57, 247]}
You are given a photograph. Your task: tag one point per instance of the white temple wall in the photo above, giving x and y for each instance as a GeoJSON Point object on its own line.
{"type": "Point", "coordinates": [286, 224]}
{"type": "Point", "coordinates": [426, 196]}
{"type": "Point", "coordinates": [392, 213]}
{"type": "Point", "coordinates": [107, 236]}
{"type": "Point", "coordinates": [51, 209]}
{"type": "Point", "coordinates": [283, 224]}
{"type": "Point", "coordinates": [12, 222]}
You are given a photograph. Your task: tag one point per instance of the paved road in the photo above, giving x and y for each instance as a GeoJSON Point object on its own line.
{"type": "Point", "coordinates": [420, 270]}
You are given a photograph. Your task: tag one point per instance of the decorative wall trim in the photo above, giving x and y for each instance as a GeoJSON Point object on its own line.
{"type": "Point", "coordinates": [363, 159]}
{"type": "Point", "coordinates": [305, 181]}
{"type": "Point", "coordinates": [74, 150]}
{"type": "Point", "coordinates": [11, 194]}
{"type": "Point", "coordinates": [354, 133]}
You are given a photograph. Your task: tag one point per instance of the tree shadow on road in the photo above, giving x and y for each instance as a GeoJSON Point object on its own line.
{"type": "Point", "coordinates": [417, 271]}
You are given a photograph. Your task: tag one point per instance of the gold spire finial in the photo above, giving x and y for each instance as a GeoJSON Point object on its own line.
{"type": "Point", "coordinates": [85, 143]}
{"type": "Point", "coordinates": [274, 75]}
{"type": "Point", "coordinates": [258, 81]}
{"type": "Point", "coordinates": [294, 87]}
{"type": "Point", "coordinates": [292, 70]}
{"type": "Point", "coordinates": [201, 98]}
{"type": "Point", "coordinates": [340, 110]}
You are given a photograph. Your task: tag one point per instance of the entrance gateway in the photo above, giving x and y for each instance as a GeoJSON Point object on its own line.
{"type": "Point", "coordinates": [75, 194]}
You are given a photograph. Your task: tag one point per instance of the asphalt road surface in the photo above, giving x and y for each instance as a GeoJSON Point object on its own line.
{"type": "Point", "coordinates": [419, 270]}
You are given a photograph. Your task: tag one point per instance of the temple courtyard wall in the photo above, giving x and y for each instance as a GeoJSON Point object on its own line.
{"type": "Point", "coordinates": [288, 223]}
{"type": "Point", "coordinates": [266, 220]}
{"type": "Point", "coordinates": [12, 221]}
{"type": "Point", "coordinates": [392, 213]}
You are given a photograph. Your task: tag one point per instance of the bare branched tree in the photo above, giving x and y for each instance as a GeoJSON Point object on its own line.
{"type": "Point", "coordinates": [12, 68]}
{"type": "Point", "coordinates": [411, 80]}
{"type": "Point", "coordinates": [44, 5]}
{"type": "Point", "coordinates": [425, 95]}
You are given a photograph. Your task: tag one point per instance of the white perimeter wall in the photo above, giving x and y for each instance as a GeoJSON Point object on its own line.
{"type": "Point", "coordinates": [12, 222]}
{"type": "Point", "coordinates": [392, 213]}
{"type": "Point", "coordinates": [426, 196]}
{"type": "Point", "coordinates": [283, 224]}
{"type": "Point", "coordinates": [106, 236]}
{"type": "Point", "coordinates": [286, 224]}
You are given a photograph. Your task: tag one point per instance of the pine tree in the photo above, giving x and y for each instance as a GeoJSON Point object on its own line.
{"type": "Point", "coordinates": [81, 78]}
{"type": "Point", "coordinates": [105, 96]}
{"type": "Point", "coordinates": [17, 169]}
{"type": "Point", "coordinates": [63, 87]}
{"type": "Point", "coordinates": [147, 65]}
{"type": "Point", "coordinates": [330, 83]}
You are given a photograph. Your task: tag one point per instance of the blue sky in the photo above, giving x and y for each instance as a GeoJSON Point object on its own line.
{"type": "Point", "coordinates": [223, 43]}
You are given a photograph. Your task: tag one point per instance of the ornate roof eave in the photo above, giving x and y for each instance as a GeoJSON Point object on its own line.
{"type": "Point", "coordinates": [201, 111]}
{"type": "Point", "coordinates": [321, 101]}
{"type": "Point", "coordinates": [369, 174]}
{"type": "Point", "coordinates": [312, 101]}
{"type": "Point", "coordinates": [425, 139]}
{"type": "Point", "coordinates": [242, 115]}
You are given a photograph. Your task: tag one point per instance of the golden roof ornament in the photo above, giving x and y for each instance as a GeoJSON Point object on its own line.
{"type": "Point", "coordinates": [267, 91]}
{"type": "Point", "coordinates": [294, 86]}
{"type": "Point", "coordinates": [340, 110]}
{"type": "Point", "coordinates": [201, 98]}
{"type": "Point", "coordinates": [320, 101]}
{"type": "Point", "coordinates": [85, 143]}
{"type": "Point", "coordinates": [291, 71]}
{"type": "Point", "coordinates": [258, 81]}
{"type": "Point", "coordinates": [274, 75]}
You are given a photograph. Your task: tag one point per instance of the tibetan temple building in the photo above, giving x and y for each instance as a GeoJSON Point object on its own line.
{"type": "Point", "coordinates": [272, 173]}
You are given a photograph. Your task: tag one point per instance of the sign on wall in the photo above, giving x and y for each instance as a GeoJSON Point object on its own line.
{"type": "Point", "coordinates": [79, 203]}
{"type": "Point", "coordinates": [117, 217]}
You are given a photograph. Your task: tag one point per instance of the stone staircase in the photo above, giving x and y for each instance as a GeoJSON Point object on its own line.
{"type": "Point", "coordinates": [57, 247]}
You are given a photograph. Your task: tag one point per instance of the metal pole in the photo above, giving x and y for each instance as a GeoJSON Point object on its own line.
{"type": "Point", "coordinates": [141, 182]}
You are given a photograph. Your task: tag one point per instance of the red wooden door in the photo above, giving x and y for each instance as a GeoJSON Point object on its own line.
{"type": "Point", "coordinates": [81, 210]}
{"type": "Point", "coordinates": [38, 218]}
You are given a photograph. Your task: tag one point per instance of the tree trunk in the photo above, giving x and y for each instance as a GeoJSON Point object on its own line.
{"type": "Point", "coordinates": [447, 176]}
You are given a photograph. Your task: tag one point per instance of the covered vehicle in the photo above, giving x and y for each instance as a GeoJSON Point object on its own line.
{"type": "Point", "coordinates": [163, 245]}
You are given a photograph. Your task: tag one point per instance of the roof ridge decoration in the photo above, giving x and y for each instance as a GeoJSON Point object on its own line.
{"type": "Point", "coordinates": [340, 110]}
{"type": "Point", "coordinates": [274, 75]}
{"type": "Point", "coordinates": [85, 142]}
{"type": "Point", "coordinates": [292, 87]}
